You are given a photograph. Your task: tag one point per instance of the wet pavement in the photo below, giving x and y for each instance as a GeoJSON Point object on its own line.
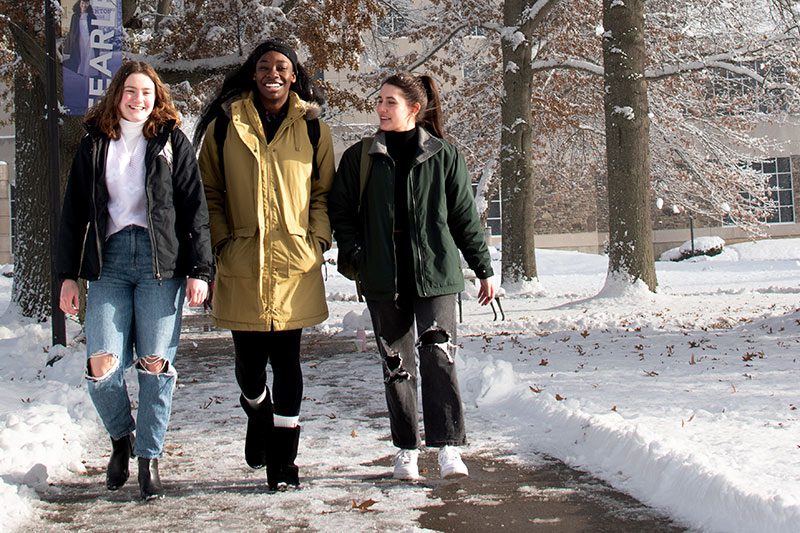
{"type": "Point", "coordinates": [548, 497]}
{"type": "Point", "coordinates": [209, 488]}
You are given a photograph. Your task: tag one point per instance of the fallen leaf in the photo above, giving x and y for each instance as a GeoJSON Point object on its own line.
{"type": "Point", "coordinates": [537, 390]}
{"type": "Point", "coordinates": [354, 433]}
{"type": "Point", "coordinates": [543, 362]}
{"type": "Point", "coordinates": [692, 361]}
{"type": "Point", "coordinates": [585, 333]}
{"type": "Point", "coordinates": [363, 506]}
{"type": "Point", "coordinates": [614, 408]}
{"type": "Point", "coordinates": [559, 397]}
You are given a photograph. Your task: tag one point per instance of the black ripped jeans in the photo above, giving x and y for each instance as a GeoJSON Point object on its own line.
{"type": "Point", "coordinates": [426, 327]}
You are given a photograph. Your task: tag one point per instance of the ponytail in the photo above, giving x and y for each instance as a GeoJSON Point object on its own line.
{"type": "Point", "coordinates": [432, 117]}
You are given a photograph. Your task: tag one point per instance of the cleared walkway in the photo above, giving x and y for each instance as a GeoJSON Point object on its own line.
{"type": "Point", "coordinates": [345, 460]}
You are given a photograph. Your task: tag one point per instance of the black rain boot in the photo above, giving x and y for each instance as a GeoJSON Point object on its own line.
{"type": "Point", "coordinates": [149, 481]}
{"type": "Point", "coordinates": [281, 470]}
{"type": "Point", "coordinates": [121, 453]}
{"type": "Point", "coordinates": [259, 428]}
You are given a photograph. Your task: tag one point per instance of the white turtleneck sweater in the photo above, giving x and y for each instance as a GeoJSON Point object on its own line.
{"type": "Point", "coordinates": [125, 170]}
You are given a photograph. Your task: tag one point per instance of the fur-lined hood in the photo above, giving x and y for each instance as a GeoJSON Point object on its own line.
{"type": "Point", "coordinates": [311, 110]}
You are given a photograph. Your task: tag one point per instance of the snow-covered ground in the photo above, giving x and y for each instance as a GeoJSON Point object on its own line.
{"type": "Point", "coordinates": [687, 399]}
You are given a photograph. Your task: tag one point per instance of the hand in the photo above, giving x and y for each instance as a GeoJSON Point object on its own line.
{"type": "Point", "coordinates": [210, 297]}
{"type": "Point", "coordinates": [486, 292]}
{"type": "Point", "coordinates": [69, 301]}
{"type": "Point", "coordinates": [196, 291]}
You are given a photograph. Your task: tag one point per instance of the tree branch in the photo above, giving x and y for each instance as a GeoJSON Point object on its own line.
{"type": "Point", "coordinates": [725, 61]}
{"type": "Point", "coordinates": [30, 50]}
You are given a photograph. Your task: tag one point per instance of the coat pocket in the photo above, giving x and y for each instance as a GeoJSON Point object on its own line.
{"type": "Point", "coordinates": [239, 256]}
{"type": "Point", "coordinates": [298, 254]}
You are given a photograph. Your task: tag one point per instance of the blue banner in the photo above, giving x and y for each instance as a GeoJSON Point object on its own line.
{"type": "Point", "coordinates": [91, 51]}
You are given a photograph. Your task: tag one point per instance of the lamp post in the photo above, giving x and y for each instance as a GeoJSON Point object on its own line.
{"type": "Point", "coordinates": [54, 181]}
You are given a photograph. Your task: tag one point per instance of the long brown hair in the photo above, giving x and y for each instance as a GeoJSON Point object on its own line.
{"type": "Point", "coordinates": [421, 90]}
{"type": "Point", "coordinates": [105, 114]}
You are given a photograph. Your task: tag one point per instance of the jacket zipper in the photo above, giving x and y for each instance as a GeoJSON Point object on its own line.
{"type": "Point", "coordinates": [95, 166]}
{"type": "Point", "coordinates": [150, 230]}
{"type": "Point", "coordinates": [416, 228]}
{"type": "Point", "coordinates": [394, 242]}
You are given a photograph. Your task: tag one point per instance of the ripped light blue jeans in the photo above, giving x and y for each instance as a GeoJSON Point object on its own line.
{"type": "Point", "coordinates": [129, 311]}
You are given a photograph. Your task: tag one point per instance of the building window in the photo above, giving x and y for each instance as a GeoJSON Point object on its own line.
{"type": "Point", "coordinates": [394, 24]}
{"type": "Point", "coordinates": [738, 93]}
{"type": "Point", "coordinates": [779, 172]}
{"type": "Point", "coordinates": [472, 71]}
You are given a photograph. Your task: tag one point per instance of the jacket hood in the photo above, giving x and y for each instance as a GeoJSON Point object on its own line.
{"type": "Point", "coordinates": [311, 110]}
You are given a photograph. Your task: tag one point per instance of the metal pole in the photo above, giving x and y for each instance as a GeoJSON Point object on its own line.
{"type": "Point", "coordinates": [691, 232]}
{"type": "Point", "coordinates": [54, 192]}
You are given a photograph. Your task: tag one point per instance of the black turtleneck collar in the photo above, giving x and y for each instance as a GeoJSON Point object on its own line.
{"type": "Point", "coordinates": [402, 145]}
{"type": "Point", "coordinates": [271, 122]}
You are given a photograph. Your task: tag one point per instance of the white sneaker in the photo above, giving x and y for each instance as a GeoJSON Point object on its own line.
{"type": "Point", "coordinates": [405, 465]}
{"type": "Point", "coordinates": [450, 463]}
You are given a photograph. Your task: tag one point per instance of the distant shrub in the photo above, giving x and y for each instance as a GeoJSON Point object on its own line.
{"type": "Point", "coordinates": [708, 246]}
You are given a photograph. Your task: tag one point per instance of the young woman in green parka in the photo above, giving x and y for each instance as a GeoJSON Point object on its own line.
{"type": "Point", "coordinates": [266, 179]}
{"type": "Point", "coordinates": [416, 213]}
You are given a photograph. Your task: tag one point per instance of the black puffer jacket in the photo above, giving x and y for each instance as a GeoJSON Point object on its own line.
{"type": "Point", "coordinates": [176, 209]}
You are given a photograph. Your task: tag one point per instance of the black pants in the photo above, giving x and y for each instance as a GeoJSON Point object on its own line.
{"type": "Point", "coordinates": [279, 349]}
{"type": "Point", "coordinates": [433, 339]}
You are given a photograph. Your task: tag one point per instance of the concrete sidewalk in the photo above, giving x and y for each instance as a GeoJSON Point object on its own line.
{"type": "Point", "coordinates": [551, 497]}
{"type": "Point", "coordinates": [209, 488]}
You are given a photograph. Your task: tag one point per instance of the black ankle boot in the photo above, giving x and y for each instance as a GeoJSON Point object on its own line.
{"type": "Point", "coordinates": [281, 470]}
{"type": "Point", "coordinates": [149, 480]}
{"type": "Point", "coordinates": [121, 453]}
{"type": "Point", "coordinates": [259, 428]}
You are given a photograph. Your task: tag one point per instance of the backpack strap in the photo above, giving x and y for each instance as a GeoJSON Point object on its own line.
{"type": "Point", "coordinates": [220, 132]}
{"type": "Point", "coordinates": [312, 126]}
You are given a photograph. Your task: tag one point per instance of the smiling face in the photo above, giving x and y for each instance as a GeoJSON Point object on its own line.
{"type": "Point", "coordinates": [84, 6]}
{"type": "Point", "coordinates": [394, 111]}
{"type": "Point", "coordinates": [138, 97]}
{"type": "Point", "coordinates": [274, 76]}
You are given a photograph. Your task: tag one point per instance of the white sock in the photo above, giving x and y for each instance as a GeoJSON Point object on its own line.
{"type": "Point", "coordinates": [286, 421]}
{"type": "Point", "coordinates": [257, 401]}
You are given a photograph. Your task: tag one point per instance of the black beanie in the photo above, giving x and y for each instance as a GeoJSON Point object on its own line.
{"type": "Point", "coordinates": [277, 46]}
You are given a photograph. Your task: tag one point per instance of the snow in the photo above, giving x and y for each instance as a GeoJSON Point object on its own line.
{"type": "Point", "coordinates": [625, 111]}
{"type": "Point", "coordinates": [686, 399]}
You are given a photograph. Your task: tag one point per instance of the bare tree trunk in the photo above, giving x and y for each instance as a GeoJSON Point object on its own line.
{"type": "Point", "coordinates": [129, 18]}
{"type": "Point", "coordinates": [164, 9]}
{"type": "Point", "coordinates": [516, 155]}
{"type": "Point", "coordinates": [31, 290]}
{"type": "Point", "coordinates": [627, 150]}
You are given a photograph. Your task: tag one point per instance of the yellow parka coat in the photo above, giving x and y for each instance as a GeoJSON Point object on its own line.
{"type": "Point", "coordinates": [268, 218]}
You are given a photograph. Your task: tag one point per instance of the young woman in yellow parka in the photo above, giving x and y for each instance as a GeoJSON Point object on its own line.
{"type": "Point", "coordinates": [267, 164]}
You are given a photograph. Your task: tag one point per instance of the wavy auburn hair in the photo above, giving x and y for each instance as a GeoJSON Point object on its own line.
{"type": "Point", "coordinates": [105, 114]}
